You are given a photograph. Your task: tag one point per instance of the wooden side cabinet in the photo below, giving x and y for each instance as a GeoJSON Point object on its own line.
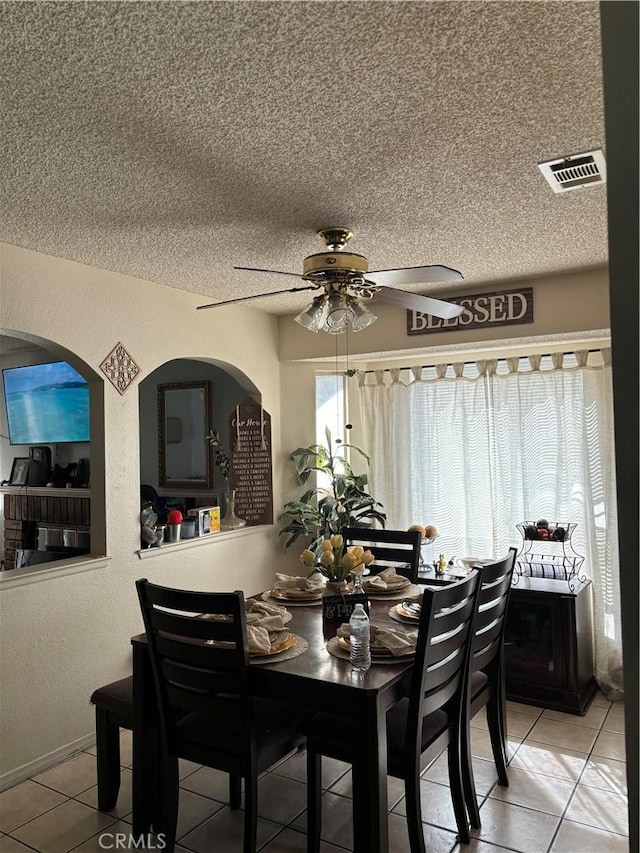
{"type": "Point", "coordinates": [549, 645]}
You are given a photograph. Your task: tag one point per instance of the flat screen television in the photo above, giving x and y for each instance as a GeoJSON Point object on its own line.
{"type": "Point", "coordinates": [46, 404]}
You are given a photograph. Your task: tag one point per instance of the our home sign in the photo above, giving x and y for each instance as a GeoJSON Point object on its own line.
{"type": "Point", "coordinates": [483, 310]}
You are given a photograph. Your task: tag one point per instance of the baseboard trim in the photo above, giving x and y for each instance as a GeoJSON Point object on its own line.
{"type": "Point", "coordinates": [45, 762]}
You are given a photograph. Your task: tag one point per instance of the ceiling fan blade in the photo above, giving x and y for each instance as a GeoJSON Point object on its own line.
{"type": "Point", "coordinates": [415, 275]}
{"type": "Point", "coordinates": [273, 272]}
{"type": "Point", "coordinates": [257, 295]}
{"type": "Point", "coordinates": [416, 302]}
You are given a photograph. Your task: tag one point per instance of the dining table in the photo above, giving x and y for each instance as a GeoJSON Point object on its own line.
{"type": "Point", "coordinates": [315, 680]}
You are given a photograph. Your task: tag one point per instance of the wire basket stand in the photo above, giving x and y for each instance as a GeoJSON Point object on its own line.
{"type": "Point", "coordinates": [549, 555]}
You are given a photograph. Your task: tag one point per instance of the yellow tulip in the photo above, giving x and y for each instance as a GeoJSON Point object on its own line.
{"type": "Point", "coordinates": [336, 541]}
{"type": "Point", "coordinates": [367, 558]}
{"type": "Point", "coordinates": [357, 551]}
{"type": "Point", "coordinates": [308, 557]}
{"type": "Point", "coordinates": [326, 545]}
{"type": "Point", "coordinates": [349, 561]}
{"type": "Point", "coordinates": [327, 558]}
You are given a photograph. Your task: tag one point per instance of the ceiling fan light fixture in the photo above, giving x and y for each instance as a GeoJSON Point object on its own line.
{"type": "Point", "coordinates": [339, 314]}
{"type": "Point", "coordinates": [313, 317]}
{"type": "Point", "coordinates": [362, 317]}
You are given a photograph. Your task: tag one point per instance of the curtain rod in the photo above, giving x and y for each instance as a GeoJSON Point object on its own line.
{"type": "Point", "coordinates": [474, 361]}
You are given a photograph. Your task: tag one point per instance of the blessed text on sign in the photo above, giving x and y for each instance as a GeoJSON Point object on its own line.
{"type": "Point", "coordinates": [502, 308]}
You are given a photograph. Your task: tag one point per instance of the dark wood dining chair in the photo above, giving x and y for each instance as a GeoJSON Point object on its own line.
{"type": "Point", "coordinates": [207, 714]}
{"type": "Point", "coordinates": [420, 726]}
{"type": "Point", "coordinates": [114, 711]}
{"type": "Point", "coordinates": [397, 549]}
{"type": "Point", "coordinates": [486, 672]}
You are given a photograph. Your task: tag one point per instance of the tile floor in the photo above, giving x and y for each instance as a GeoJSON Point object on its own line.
{"type": "Point", "coordinates": [566, 795]}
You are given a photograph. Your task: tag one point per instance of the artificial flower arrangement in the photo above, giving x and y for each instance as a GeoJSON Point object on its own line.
{"type": "Point", "coordinates": [335, 565]}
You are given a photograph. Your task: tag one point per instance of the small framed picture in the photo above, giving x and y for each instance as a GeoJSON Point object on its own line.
{"type": "Point", "coordinates": [19, 471]}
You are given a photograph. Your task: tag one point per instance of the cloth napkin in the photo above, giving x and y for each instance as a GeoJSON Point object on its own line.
{"type": "Point", "coordinates": [387, 578]}
{"type": "Point", "coordinates": [258, 640]}
{"type": "Point", "coordinates": [262, 614]}
{"type": "Point", "coordinates": [287, 583]}
{"type": "Point", "coordinates": [394, 640]}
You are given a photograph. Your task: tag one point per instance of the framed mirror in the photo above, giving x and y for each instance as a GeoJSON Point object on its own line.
{"type": "Point", "coordinates": [184, 419]}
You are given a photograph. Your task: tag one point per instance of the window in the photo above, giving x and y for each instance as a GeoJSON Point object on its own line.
{"type": "Point", "coordinates": [330, 406]}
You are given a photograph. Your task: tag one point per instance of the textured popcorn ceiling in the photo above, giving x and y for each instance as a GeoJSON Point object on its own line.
{"type": "Point", "coordinates": [172, 140]}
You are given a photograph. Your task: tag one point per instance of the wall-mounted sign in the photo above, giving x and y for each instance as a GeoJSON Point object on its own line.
{"type": "Point", "coordinates": [251, 477]}
{"type": "Point", "coordinates": [481, 311]}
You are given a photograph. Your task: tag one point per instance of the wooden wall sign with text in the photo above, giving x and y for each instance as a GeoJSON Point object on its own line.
{"type": "Point", "coordinates": [481, 311]}
{"type": "Point", "coordinates": [251, 475]}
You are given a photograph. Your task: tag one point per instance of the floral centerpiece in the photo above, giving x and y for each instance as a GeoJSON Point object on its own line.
{"type": "Point", "coordinates": [337, 565]}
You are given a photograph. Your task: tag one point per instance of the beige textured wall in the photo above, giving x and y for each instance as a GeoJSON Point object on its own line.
{"type": "Point", "coordinates": [63, 637]}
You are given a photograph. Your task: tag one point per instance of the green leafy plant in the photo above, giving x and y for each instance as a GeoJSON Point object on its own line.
{"type": "Point", "coordinates": [325, 509]}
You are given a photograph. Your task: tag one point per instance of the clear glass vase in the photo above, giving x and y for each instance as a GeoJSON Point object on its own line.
{"type": "Point", "coordinates": [230, 520]}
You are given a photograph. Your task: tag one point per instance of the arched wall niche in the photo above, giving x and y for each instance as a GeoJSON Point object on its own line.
{"type": "Point", "coordinates": [229, 387]}
{"type": "Point", "coordinates": [19, 349]}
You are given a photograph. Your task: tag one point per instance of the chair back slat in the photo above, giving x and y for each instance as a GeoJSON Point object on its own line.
{"type": "Point", "coordinates": [449, 619]}
{"type": "Point", "coordinates": [199, 680]}
{"type": "Point", "coordinates": [493, 600]}
{"type": "Point", "coordinates": [201, 653]}
{"type": "Point", "coordinates": [397, 549]}
{"type": "Point", "coordinates": [221, 706]}
{"type": "Point", "coordinates": [194, 625]}
{"type": "Point", "coordinates": [198, 664]}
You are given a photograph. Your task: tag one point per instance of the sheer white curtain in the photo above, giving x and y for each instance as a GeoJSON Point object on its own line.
{"type": "Point", "coordinates": [477, 449]}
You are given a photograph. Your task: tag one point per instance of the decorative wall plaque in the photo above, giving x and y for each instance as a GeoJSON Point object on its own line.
{"type": "Point", "coordinates": [481, 311]}
{"type": "Point", "coordinates": [120, 368]}
{"type": "Point", "coordinates": [251, 475]}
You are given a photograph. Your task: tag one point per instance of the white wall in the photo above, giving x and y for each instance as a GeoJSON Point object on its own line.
{"type": "Point", "coordinates": [63, 637]}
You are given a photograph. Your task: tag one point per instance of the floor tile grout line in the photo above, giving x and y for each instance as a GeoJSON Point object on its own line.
{"type": "Point", "coordinates": [46, 811]}
{"type": "Point", "coordinates": [563, 817]}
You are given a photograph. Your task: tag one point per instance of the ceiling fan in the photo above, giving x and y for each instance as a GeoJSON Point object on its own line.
{"type": "Point", "coordinates": [347, 284]}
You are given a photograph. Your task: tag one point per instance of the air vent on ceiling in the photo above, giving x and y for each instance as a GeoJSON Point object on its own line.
{"type": "Point", "coordinates": [574, 172]}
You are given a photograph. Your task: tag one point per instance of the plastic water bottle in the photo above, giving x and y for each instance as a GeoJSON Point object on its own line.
{"type": "Point", "coordinates": [360, 639]}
